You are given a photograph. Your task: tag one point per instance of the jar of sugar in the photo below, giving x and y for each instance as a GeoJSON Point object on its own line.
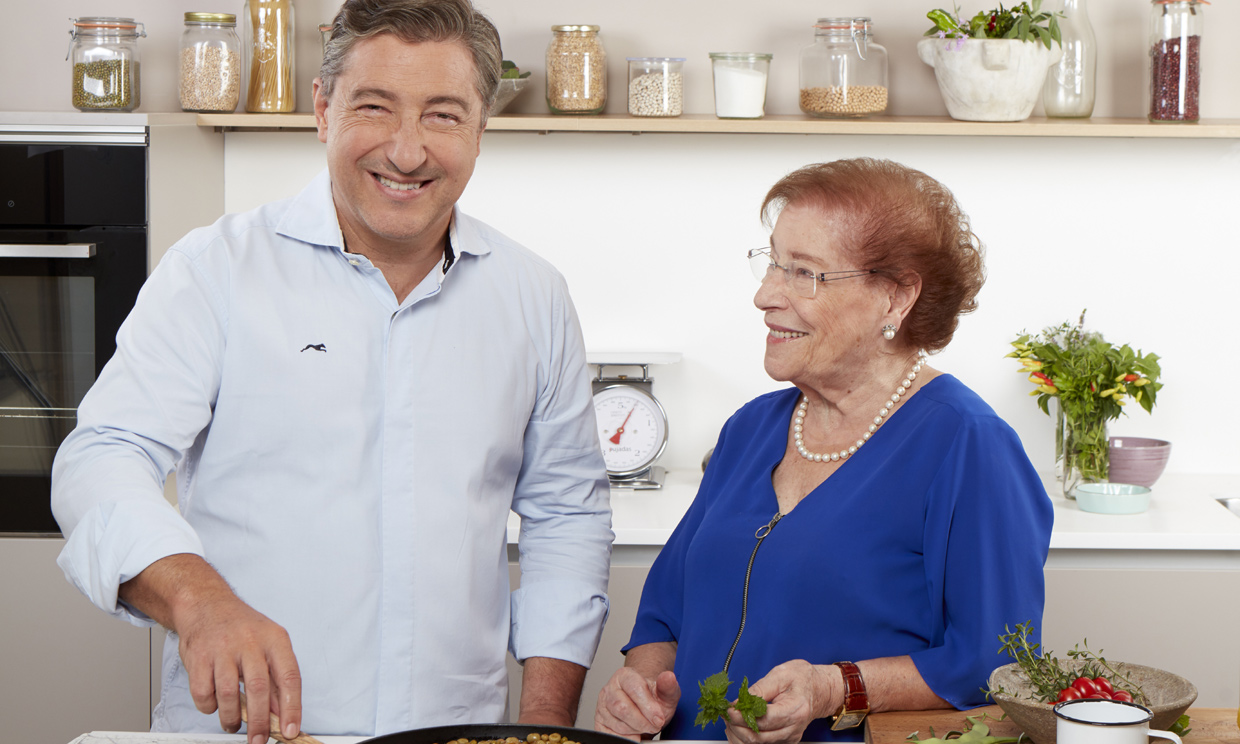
{"type": "Point", "coordinates": [740, 84]}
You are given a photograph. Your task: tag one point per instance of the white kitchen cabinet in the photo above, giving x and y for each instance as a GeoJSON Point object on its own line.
{"type": "Point", "coordinates": [67, 666]}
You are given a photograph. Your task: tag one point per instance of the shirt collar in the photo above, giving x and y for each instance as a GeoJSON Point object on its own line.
{"type": "Point", "coordinates": [311, 218]}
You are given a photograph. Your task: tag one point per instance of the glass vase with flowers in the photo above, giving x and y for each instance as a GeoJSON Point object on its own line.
{"type": "Point", "coordinates": [1092, 380]}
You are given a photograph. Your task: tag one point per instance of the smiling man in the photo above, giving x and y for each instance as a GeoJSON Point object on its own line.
{"type": "Point", "coordinates": [354, 387]}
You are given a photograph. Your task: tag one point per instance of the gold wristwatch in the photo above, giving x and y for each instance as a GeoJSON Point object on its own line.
{"type": "Point", "coordinates": [856, 702]}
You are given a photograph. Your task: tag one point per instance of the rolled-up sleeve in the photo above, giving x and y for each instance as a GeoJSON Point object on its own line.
{"type": "Point", "coordinates": [563, 498]}
{"type": "Point", "coordinates": [147, 408]}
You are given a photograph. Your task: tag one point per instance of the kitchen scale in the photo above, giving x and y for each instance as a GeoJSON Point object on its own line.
{"type": "Point", "coordinates": [632, 425]}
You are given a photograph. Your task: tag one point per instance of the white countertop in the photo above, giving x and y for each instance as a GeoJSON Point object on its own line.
{"type": "Point", "coordinates": [1183, 515]}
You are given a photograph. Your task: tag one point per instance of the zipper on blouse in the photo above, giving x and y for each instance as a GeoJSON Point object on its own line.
{"type": "Point", "coordinates": [761, 534]}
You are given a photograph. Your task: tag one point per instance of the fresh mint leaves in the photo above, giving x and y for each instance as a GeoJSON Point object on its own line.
{"type": "Point", "coordinates": [713, 704]}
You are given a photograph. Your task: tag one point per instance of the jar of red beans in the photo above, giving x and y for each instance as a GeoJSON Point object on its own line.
{"type": "Point", "coordinates": [1175, 60]}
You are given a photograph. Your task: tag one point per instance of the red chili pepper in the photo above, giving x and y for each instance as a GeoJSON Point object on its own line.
{"type": "Point", "coordinates": [1131, 378]}
{"type": "Point", "coordinates": [1092, 388]}
{"type": "Point", "coordinates": [1042, 376]}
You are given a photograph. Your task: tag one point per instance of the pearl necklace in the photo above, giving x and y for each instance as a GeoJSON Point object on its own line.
{"type": "Point", "coordinates": [798, 423]}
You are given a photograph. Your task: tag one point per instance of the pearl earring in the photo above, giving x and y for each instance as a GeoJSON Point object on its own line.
{"type": "Point", "coordinates": [889, 331]}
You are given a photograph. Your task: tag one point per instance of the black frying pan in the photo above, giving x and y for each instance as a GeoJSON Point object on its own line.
{"type": "Point", "coordinates": [482, 731]}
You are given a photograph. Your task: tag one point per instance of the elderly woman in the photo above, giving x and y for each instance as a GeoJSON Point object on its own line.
{"type": "Point", "coordinates": [860, 539]}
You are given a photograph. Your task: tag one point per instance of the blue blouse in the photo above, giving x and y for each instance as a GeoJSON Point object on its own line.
{"type": "Point", "coordinates": [927, 542]}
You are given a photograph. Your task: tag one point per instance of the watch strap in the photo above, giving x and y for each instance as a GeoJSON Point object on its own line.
{"type": "Point", "coordinates": [856, 701]}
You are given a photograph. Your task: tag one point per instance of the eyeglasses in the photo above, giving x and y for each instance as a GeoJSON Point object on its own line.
{"type": "Point", "coordinates": [803, 279]}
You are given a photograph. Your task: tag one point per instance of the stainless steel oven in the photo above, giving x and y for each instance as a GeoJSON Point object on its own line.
{"type": "Point", "coordinates": [73, 255]}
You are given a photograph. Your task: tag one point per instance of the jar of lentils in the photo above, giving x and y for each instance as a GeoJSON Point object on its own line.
{"type": "Point", "coordinates": [576, 71]}
{"type": "Point", "coordinates": [656, 86]}
{"type": "Point", "coordinates": [210, 63]}
{"type": "Point", "coordinates": [1175, 60]}
{"type": "Point", "coordinates": [104, 52]}
{"type": "Point", "coordinates": [844, 72]}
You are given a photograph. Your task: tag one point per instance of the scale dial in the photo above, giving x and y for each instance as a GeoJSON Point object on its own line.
{"type": "Point", "coordinates": [632, 428]}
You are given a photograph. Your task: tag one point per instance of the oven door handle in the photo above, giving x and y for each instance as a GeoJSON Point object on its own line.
{"type": "Point", "coordinates": [46, 250]}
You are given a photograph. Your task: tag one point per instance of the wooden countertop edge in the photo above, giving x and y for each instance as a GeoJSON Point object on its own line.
{"type": "Point", "coordinates": [1208, 725]}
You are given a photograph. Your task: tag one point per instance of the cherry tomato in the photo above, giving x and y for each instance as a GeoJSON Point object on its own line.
{"type": "Point", "coordinates": [1102, 684]}
{"type": "Point", "coordinates": [1069, 693]}
{"type": "Point", "coordinates": [1122, 695]}
{"type": "Point", "coordinates": [1100, 695]}
{"type": "Point", "coordinates": [1085, 686]}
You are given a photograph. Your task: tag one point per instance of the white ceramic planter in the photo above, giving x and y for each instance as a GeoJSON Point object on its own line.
{"type": "Point", "coordinates": [989, 79]}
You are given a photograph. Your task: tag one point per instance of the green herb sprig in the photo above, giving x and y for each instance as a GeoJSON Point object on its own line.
{"type": "Point", "coordinates": [713, 704]}
{"type": "Point", "coordinates": [1046, 674]}
{"type": "Point", "coordinates": [1023, 22]}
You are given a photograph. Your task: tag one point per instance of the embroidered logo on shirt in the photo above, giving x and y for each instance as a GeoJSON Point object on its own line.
{"type": "Point", "coordinates": [317, 347]}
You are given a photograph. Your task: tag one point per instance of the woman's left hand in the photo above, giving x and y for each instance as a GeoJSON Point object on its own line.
{"type": "Point", "coordinates": [796, 692]}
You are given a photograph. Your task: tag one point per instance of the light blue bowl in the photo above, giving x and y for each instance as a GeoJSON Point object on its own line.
{"type": "Point", "coordinates": [1112, 498]}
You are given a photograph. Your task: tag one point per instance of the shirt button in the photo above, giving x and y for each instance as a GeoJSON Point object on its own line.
{"type": "Point", "coordinates": [354, 261]}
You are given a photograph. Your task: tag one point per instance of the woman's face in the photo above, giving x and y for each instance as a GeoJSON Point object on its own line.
{"type": "Point", "coordinates": [830, 339]}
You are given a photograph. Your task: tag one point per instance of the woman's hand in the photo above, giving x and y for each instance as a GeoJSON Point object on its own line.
{"type": "Point", "coordinates": [796, 693]}
{"type": "Point", "coordinates": [633, 705]}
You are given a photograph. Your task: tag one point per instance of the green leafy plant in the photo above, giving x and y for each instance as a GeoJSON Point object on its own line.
{"type": "Point", "coordinates": [1093, 380]}
{"type": "Point", "coordinates": [1023, 22]}
{"type": "Point", "coordinates": [713, 704]}
{"type": "Point", "coordinates": [510, 71]}
{"type": "Point", "coordinates": [976, 732]}
{"type": "Point", "coordinates": [1048, 676]}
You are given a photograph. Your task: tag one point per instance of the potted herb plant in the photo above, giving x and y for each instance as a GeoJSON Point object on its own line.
{"type": "Point", "coordinates": [1092, 380]}
{"type": "Point", "coordinates": [992, 67]}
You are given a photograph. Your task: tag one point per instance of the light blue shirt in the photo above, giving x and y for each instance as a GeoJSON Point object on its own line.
{"type": "Point", "coordinates": [348, 463]}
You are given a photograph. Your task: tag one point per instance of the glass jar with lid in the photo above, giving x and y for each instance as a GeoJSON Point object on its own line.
{"type": "Point", "coordinates": [268, 50]}
{"type": "Point", "coordinates": [210, 63]}
{"type": "Point", "coordinates": [576, 71]}
{"type": "Point", "coordinates": [1175, 60]}
{"type": "Point", "coordinates": [104, 53]}
{"type": "Point", "coordinates": [656, 86]}
{"type": "Point", "coordinates": [844, 72]}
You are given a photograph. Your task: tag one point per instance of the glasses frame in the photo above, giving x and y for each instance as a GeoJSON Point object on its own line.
{"type": "Point", "coordinates": [821, 277]}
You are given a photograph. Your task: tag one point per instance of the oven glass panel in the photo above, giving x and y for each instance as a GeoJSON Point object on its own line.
{"type": "Point", "coordinates": [47, 363]}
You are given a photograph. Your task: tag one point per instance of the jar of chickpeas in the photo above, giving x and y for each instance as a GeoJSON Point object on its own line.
{"type": "Point", "coordinates": [576, 71]}
{"type": "Point", "coordinates": [844, 72]}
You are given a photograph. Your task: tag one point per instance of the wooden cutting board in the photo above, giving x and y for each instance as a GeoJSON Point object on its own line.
{"type": "Point", "coordinates": [1209, 725]}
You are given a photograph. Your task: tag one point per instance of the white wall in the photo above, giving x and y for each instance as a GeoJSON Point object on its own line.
{"type": "Point", "coordinates": [651, 230]}
{"type": "Point", "coordinates": [38, 39]}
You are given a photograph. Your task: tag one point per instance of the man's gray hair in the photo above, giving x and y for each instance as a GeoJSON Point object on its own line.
{"type": "Point", "coordinates": [416, 21]}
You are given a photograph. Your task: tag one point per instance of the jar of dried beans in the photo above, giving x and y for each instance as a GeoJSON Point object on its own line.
{"type": "Point", "coordinates": [656, 86]}
{"type": "Point", "coordinates": [1175, 60]}
{"type": "Point", "coordinates": [844, 72]}
{"type": "Point", "coordinates": [576, 71]}
{"type": "Point", "coordinates": [104, 51]}
{"type": "Point", "coordinates": [210, 63]}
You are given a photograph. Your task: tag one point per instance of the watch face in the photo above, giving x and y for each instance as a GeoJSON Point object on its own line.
{"type": "Point", "coordinates": [632, 428]}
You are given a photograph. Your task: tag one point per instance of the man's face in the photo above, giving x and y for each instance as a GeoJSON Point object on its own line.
{"type": "Point", "coordinates": [403, 129]}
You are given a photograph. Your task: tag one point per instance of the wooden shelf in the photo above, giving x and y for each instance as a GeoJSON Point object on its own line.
{"type": "Point", "coordinates": [782, 124]}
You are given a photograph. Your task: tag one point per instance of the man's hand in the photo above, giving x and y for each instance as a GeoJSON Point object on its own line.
{"type": "Point", "coordinates": [634, 706]}
{"type": "Point", "coordinates": [223, 643]}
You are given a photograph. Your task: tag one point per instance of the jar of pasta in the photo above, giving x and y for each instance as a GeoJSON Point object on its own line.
{"type": "Point", "coordinates": [104, 52]}
{"type": "Point", "coordinates": [268, 48]}
{"type": "Point", "coordinates": [576, 71]}
{"type": "Point", "coordinates": [844, 72]}
{"type": "Point", "coordinates": [210, 63]}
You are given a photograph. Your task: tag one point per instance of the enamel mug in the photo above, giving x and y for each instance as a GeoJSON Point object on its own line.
{"type": "Point", "coordinates": [1105, 722]}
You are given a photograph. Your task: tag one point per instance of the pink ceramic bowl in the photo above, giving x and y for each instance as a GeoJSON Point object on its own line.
{"type": "Point", "coordinates": [1138, 460]}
